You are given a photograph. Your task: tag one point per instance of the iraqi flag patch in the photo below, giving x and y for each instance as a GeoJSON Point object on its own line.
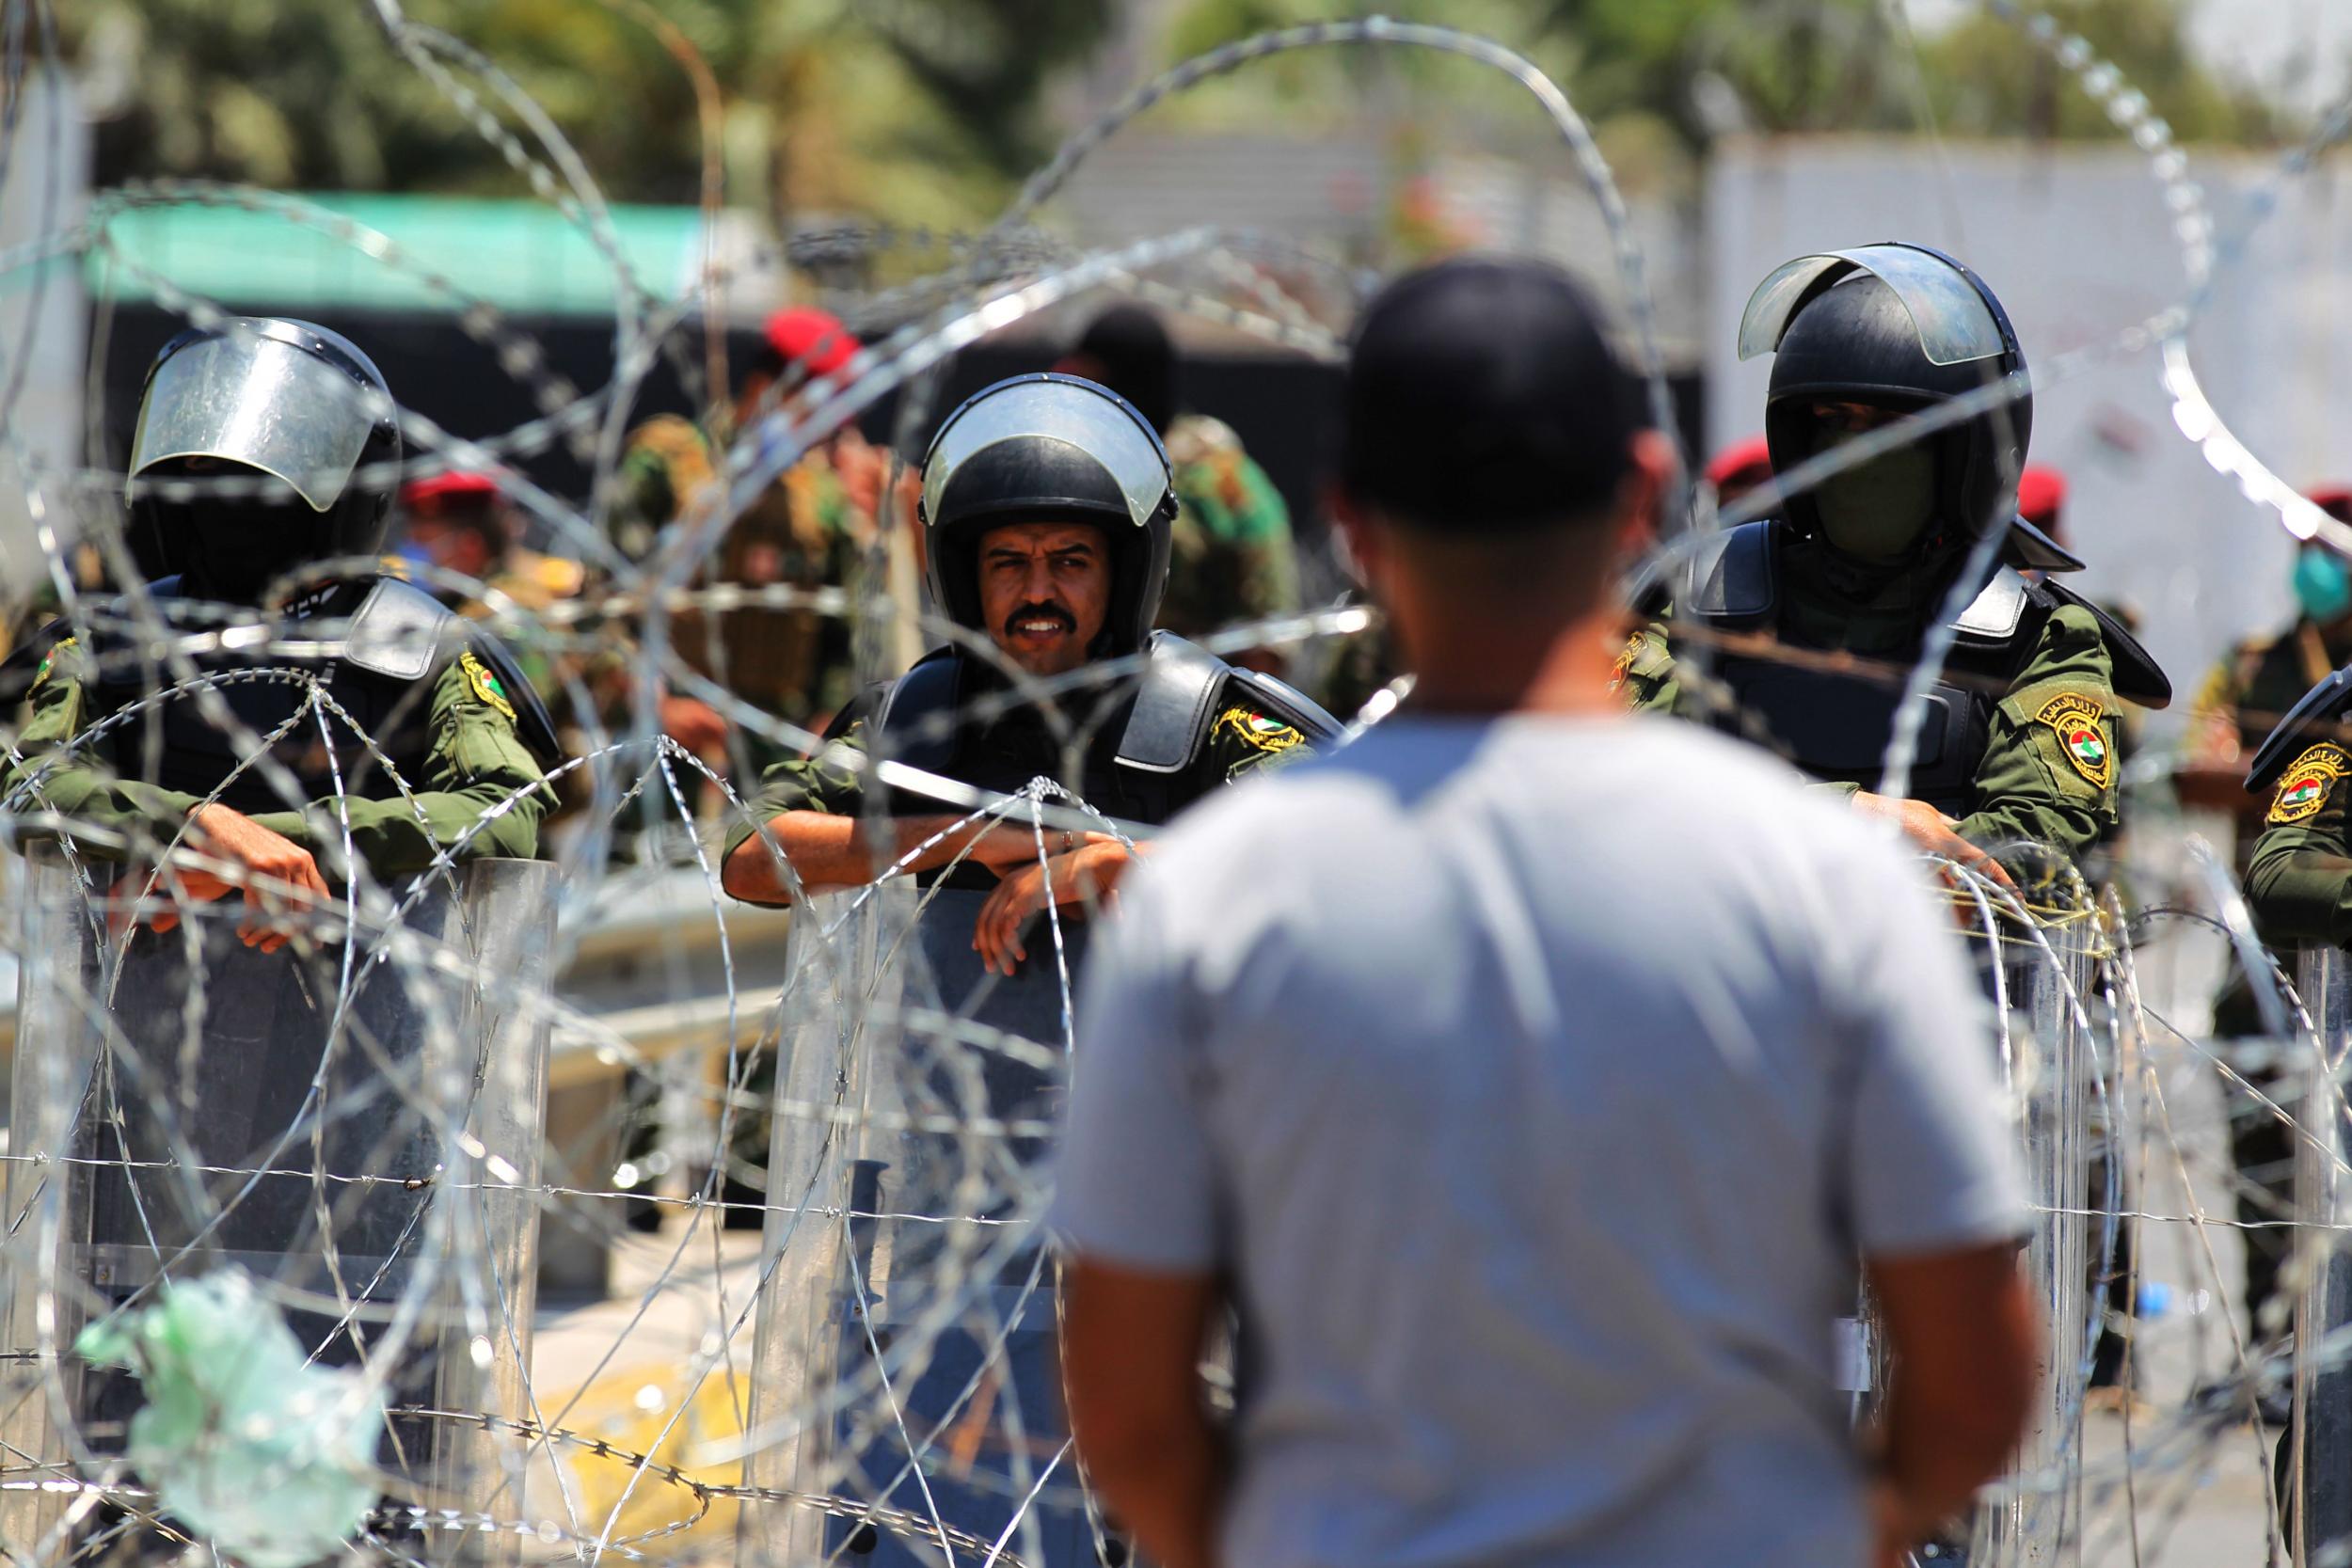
{"type": "Point", "coordinates": [2307, 783]}
{"type": "Point", "coordinates": [2082, 738]}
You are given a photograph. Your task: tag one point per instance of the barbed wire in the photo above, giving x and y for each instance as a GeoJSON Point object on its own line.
{"type": "Point", "coordinates": [879, 1364]}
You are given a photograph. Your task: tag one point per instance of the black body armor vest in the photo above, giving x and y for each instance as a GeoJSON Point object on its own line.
{"type": "Point", "coordinates": [380, 648]}
{"type": "Point", "coordinates": [1139, 761]}
{"type": "Point", "coordinates": [1836, 724]}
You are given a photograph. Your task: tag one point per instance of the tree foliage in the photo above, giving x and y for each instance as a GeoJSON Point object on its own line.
{"type": "Point", "coordinates": [915, 110]}
{"type": "Point", "coordinates": [1706, 67]}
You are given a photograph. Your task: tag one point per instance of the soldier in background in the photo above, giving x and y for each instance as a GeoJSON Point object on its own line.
{"type": "Point", "coordinates": [807, 530]}
{"type": "Point", "coordinates": [1231, 556]}
{"type": "Point", "coordinates": [2242, 698]}
{"type": "Point", "coordinates": [462, 522]}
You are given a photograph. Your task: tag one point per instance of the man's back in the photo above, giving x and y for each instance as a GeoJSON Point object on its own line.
{"type": "Point", "coordinates": [1539, 1148]}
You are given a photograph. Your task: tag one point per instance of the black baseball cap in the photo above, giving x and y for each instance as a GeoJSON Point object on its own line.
{"type": "Point", "coordinates": [1483, 395]}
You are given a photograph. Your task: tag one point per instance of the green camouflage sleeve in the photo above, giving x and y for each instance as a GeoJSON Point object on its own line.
{"type": "Point", "coordinates": [829, 782]}
{"type": "Point", "coordinates": [667, 459]}
{"type": "Point", "coordinates": [1268, 555]}
{"type": "Point", "coordinates": [1645, 672]}
{"type": "Point", "coordinates": [2299, 884]}
{"type": "Point", "coordinates": [72, 785]}
{"type": "Point", "coordinates": [2048, 771]}
{"type": "Point", "coordinates": [1244, 741]}
{"type": "Point", "coordinates": [478, 773]}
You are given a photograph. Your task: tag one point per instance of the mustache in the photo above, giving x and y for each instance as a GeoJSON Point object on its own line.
{"type": "Point", "coordinates": [1041, 611]}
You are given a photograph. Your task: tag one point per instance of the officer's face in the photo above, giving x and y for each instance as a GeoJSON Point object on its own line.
{"type": "Point", "coordinates": [1044, 591]}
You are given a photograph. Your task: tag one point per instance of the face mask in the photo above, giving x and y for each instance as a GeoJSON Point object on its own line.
{"type": "Point", "coordinates": [1876, 510]}
{"type": "Point", "coordinates": [233, 556]}
{"type": "Point", "coordinates": [2322, 585]}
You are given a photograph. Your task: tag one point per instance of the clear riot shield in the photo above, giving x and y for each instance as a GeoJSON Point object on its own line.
{"type": "Point", "coordinates": [355, 1124]}
{"type": "Point", "coordinates": [2319, 1445]}
{"type": "Point", "coordinates": [2050, 1069]}
{"type": "Point", "coordinates": [907, 1366]}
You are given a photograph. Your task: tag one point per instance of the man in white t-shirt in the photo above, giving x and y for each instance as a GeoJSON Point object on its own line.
{"type": "Point", "coordinates": [1528, 1075]}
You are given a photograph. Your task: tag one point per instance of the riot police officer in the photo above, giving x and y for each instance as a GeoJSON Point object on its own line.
{"type": "Point", "coordinates": [1047, 505]}
{"type": "Point", "coordinates": [2018, 746]}
{"type": "Point", "coordinates": [2299, 881]}
{"type": "Point", "coordinates": [280, 717]}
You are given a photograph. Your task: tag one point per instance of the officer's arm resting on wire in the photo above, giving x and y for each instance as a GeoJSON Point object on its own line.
{"type": "Point", "coordinates": [1131, 1350]}
{"type": "Point", "coordinates": [2049, 772]}
{"type": "Point", "coordinates": [483, 795]}
{"type": "Point", "coordinates": [2299, 884]}
{"type": "Point", "coordinates": [1960, 1333]}
{"type": "Point", "coordinates": [808, 813]}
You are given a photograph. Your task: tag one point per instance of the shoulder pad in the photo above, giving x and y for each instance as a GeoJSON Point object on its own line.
{"type": "Point", "coordinates": [532, 720]}
{"type": "Point", "coordinates": [1997, 613]}
{"type": "Point", "coordinates": [1733, 578]}
{"type": "Point", "coordinates": [399, 631]}
{"type": "Point", "coordinates": [1280, 699]}
{"type": "Point", "coordinates": [2138, 678]}
{"type": "Point", "coordinates": [2028, 547]}
{"type": "Point", "coordinates": [914, 715]}
{"type": "Point", "coordinates": [1173, 705]}
{"type": "Point", "coordinates": [2321, 709]}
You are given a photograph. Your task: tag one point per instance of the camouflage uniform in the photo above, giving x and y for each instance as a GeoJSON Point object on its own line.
{"type": "Point", "coordinates": [805, 532]}
{"type": "Point", "coordinates": [1231, 559]}
{"type": "Point", "coordinates": [2047, 771]}
{"type": "Point", "coordinates": [2297, 877]}
{"type": "Point", "coordinates": [2242, 698]}
{"type": "Point", "coordinates": [476, 761]}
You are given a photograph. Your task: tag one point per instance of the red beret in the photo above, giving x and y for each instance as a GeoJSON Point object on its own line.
{"type": "Point", "coordinates": [1741, 464]}
{"type": "Point", "coordinates": [2041, 492]}
{"type": "Point", "coordinates": [431, 497]}
{"type": "Point", "coordinates": [811, 339]}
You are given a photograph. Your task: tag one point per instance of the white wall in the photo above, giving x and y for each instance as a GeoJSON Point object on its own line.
{"type": "Point", "coordinates": [2077, 244]}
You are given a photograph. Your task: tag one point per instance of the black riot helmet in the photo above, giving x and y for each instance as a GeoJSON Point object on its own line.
{"type": "Point", "coordinates": [1900, 327]}
{"type": "Point", "coordinates": [1050, 448]}
{"type": "Point", "coordinates": [295, 409]}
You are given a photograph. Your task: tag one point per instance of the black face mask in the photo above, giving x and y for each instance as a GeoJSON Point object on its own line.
{"type": "Point", "coordinates": [234, 551]}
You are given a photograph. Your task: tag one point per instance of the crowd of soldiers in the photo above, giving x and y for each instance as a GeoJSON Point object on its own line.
{"type": "Point", "coordinates": [1081, 516]}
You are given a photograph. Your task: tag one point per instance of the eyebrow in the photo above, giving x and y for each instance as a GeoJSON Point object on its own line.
{"type": "Point", "coordinates": [1018, 552]}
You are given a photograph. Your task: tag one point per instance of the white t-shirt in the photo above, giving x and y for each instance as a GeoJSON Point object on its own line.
{"type": "Point", "coordinates": [1537, 1081]}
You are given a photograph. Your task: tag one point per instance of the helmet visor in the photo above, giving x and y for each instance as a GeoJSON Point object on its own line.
{"type": "Point", "coordinates": [253, 400]}
{"type": "Point", "coordinates": [1061, 411]}
{"type": "Point", "coordinates": [1954, 323]}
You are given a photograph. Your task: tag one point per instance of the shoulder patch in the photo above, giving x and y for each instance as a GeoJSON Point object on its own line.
{"type": "Point", "coordinates": [485, 685]}
{"type": "Point", "coordinates": [2307, 783]}
{"type": "Point", "coordinates": [2075, 720]}
{"type": "Point", "coordinates": [1624, 666]}
{"type": "Point", "coordinates": [1258, 731]}
{"type": "Point", "coordinates": [49, 660]}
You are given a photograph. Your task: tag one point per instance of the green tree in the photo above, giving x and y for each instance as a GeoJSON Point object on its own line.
{"type": "Point", "coordinates": [909, 110]}
{"type": "Point", "coordinates": [1702, 66]}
